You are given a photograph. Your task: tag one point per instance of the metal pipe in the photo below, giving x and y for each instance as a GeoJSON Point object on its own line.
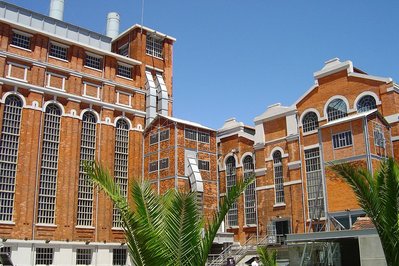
{"type": "Point", "coordinates": [57, 9]}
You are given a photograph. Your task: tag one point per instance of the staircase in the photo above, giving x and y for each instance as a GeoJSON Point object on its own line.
{"type": "Point", "coordinates": [238, 252]}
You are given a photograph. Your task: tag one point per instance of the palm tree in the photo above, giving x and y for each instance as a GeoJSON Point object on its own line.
{"type": "Point", "coordinates": [164, 229]}
{"type": "Point", "coordinates": [378, 195]}
{"type": "Point", "coordinates": [267, 258]}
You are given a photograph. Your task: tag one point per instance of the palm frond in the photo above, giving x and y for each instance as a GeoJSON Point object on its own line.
{"type": "Point", "coordinates": [267, 258]}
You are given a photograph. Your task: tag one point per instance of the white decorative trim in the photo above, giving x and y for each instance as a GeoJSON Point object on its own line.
{"type": "Point", "coordinates": [392, 118]}
{"type": "Point", "coordinates": [264, 187]}
{"type": "Point", "coordinates": [365, 76]}
{"type": "Point", "coordinates": [23, 33]}
{"type": "Point", "coordinates": [317, 145]}
{"type": "Point", "coordinates": [305, 112]}
{"type": "Point", "coordinates": [138, 128]}
{"type": "Point", "coordinates": [245, 155]}
{"type": "Point", "coordinates": [395, 138]}
{"type": "Point", "coordinates": [125, 118]}
{"type": "Point", "coordinates": [48, 79]}
{"type": "Point", "coordinates": [11, 64]}
{"type": "Point", "coordinates": [5, 95]}
{"type": "Point", "coordinates": [56, 103]}
{"type": "Point", "coordinates": [365, 93]}
{"type": "Point", "coordinates": [125, 93]}
{"type": "Point", "coordinates": [82, 112]}
{"type": "Point", "coordinates": [260, 171]}
{"type": "Point", "coordinates": [294, 182]}
{"type": "Point", "coordinates": [277, 205]}
{"type": "Point", "coordinates": [277, 148]}
{"type": "Point", "coordinates": [85, 83]}
{"type": "Point", "coordinates": [223, 166]}
{"type": "Point", "coordinates": [294, 165]}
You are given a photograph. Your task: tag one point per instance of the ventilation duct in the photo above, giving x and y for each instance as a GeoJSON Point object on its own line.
{"type": "Point", "coordinates": [151, 98]}
{"type": "Point", "coordinates": [57, 9]}
{"type": "Point", "coordinates": [162, 94]}
{"type": "Point", "coordinates": [113, 20]}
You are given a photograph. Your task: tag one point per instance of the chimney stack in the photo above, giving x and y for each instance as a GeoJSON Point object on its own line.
{"type": "Point", "coordinates": [57, 9]}
{"type": "Point", "coordinates": [113, 25]}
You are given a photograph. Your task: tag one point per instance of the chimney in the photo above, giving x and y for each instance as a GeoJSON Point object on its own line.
{"type": "Point", "coordinates": [57, 9]}
{"type": "Point", "coordinates": [113, 25]}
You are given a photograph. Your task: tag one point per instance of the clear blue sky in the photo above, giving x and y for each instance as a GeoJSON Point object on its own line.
{"type": "Point", "coordinates": [233, 58]}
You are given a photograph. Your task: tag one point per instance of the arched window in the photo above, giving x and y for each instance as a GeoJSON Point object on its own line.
{"type": "Point", "coordinates": [366, 103]}
{"type": "Point", "coordinates": [87, 153]}
{"type": "Point", "coordinates": [336, 109]}
{"type": "Point", "coordinates": [250, 202]}
{"type": "Point", "coordinates": [310, 122]}
{"type": "Point", "coordinates": [231, 180]}
{"type": "Point", "coordinates": [9, 143]}
{"type": "Point", "coordinates": [49, 165]}
{"type": "Point", "coordinates": [121, 163]}
{"type": "Point", "coordinates": [278, 177]}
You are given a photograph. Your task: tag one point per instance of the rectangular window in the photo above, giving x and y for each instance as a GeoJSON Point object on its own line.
{"type": "Point", "coordinates": [124, 50]}
{"type": "Point", "coordinates": [21, 40]}
{"type": "Point", "coordinates": [153, 138]}
{"type": "Point", "coordinates": [279, 183]}
{"type": "Point", "coordinates": [44, 256]}
{"type": "Point", "coordinates": [59, 51]}
{"type": "Point", "coordinates": [84, 256]}
{"type": "Point", "coordinates": [343, 139]}
{"type": "Point", "coordinates": [119, 256]}
{"type": "Point", "coordinates": [164, 163]}
{"type": "Point", "coordinates": [164, 135]}
{"type": "Point", "coordinates": [314, 184]}
{"type": "Point", "coordinates": [203, 165]}
{"type": "Point", "coordinates": [203, 137]}
{"type": "Point", "coordinates": [190, 134]}
{"type": "Point", "coordinates": [153, 166]}
{"type": "Point", "coordinates": [154, 46]}
{"type": "Point", "coordinates": [93, 61]}
{"type": "Point", "coordinates": [124, 71]}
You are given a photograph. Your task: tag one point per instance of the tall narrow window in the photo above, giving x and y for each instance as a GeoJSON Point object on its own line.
{"type": "Point", "coordinates": [121, 163]}
{"type": "Point", "coordinates": [336, 109]}
{"type": "Point", "coordinates": [366, 103]}
{"type": "Point", "coordinates": [231, 180]}
{"type": "Point", "coordinates": [314, 183]}
{"type": "Point", "coordinates": [250, 202]}
{"type": "Point", "coordinates": [87, 153]}
{"type": "Point", "coordinates": [49, 165]}
{"type": "Point", "coordinates": [278, 177]}
{"type": "Point", "coordinates": [8, 154]}
{"type": "Point", "coordinates": [310, 122]}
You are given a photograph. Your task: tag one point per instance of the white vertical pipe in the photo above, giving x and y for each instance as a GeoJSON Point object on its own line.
{"type": "Point", "coordinates": [113, 20]}
{"type": "Point", "coordinates": [57, 9]}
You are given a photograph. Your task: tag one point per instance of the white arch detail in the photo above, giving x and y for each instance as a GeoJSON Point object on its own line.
{"type": "Point", "coordinates": [245, 155]}
{"type": "Point", "coordinates": [235, 158]}
{"type": "Point", "coordinates": [91, 111]}
{"type": "Point", "coordinates": [124, 118]}
{"type": "Point", "coordinates": [56, 103]}
{"type": "Point", "coordinates": [333, 98]}
{"type": "Point", "coordinates": [308, 111]}
{"type": "Point", "coordinates": [3, 99]}
{"type": "Point", "coordinates": [365, 93]}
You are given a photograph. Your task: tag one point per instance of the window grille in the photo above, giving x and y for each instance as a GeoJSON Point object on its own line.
{"type": "Point", "coordinates": [119, 256]}
{"type": "Point", "coordinates": [164, 163]}
{"type": "Point", "coordinates": [9, 142]}
{"type": "Point", "coordinates": [231, 179]}
{"type": "Point", "coordinates": [203, 165]}
{"type": "Point", "coordinates": [314, 183]}
{"type": "Point", "coordinates": [21, 40]}
{"type": "Point", "coordinates": [84, 256]}
{"type": "Point", "coordinates": [154, 46]}
{"type": "Point", "coordinates": [87, 153]}
{"type": "Point", "coordinates": [124, 50]}
{"type": "Point", "coordinates": [310, 122]}
{"type": "Point", "coordinates": [278, 177]}
{"type": "Point", "coordinates": [93, 61]}
{"type": "Point", "coordinates": [5, 250]}
{"type": "Point", "coordinates": [164, 135]}
{"type": "Point", "coordinates": [343, 139]}
{"type": "Point", "coordinates": [203, 137]}
{"type": "Point", "coordinates": [379, 139]}
{"type": "Point", "coordinates": [336, 109]}
{"type": "Point", "coordinates": [250, 202]}
{"type": "Point", "coordinates": [366, 103]}
{"type": "Point", "coordinates": [190, 134]}
{"type": "Point", "coordinates": [125, 71]}
{"type": "Point", "coordinates": [154, 138]}
{"type": "Point", "coordinates": [49, 165]}
{"type": "Point", "coordinates": [121, 163]}
{"type": "Point", "coordinates": [153, 166]}
{"type": "Point", "coordinates": [58, 51]}
{"type": "Point", "coordinates": [44, 256]}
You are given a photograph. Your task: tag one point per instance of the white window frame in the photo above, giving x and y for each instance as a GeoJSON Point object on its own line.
{"type": "Point", "coordinates": [193, 131]}
{"type": "Point", "coordinates": [124, 93]}
{"type": "Point", "coordinates": [115, 258]}
{"type": "Point", "coordinates": [344, 136]}
{"type": "Point", "coordinates": [279, 199]}
{"type": "Point", "coordinates": [87, 256]}
{"type": "Point", "coordinates": [51, 254]}
{"type": "Point", "coordinates": [155, 141]}
{"type": "Point", "coordinates": [250, 212]}
{"type": "Point", "coordinates": [60, 45]}
{"type": "Point", "coordinates": [160, 166]}
{"type": "Point", "coordinates": [124, 65]}
{"type": "Point", "coordinates": [95, 56]}
{"type": "Point", "coordinates": [153, 163]}
{"type": "Point", "coordinates": [28, 35]}
{"type": "Point", "coordinates": [26, 68]}
{"type": "Point", "coordinates": [166, 139]}
{"type": "Point", "coordinates": [150, 46]}
{"type": "Point", "coordinates": [206, 162]}
{"type": "Point", "coordinates": [122, 47]}
{"type": "Point", "coordinates": [204, 134]}
{"type": "Point", "coordinates": [231, 180]}
{"type": "Point", "coordinates": [85, 83]}
{"type": "Point", "coordinates": [48, 81]}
